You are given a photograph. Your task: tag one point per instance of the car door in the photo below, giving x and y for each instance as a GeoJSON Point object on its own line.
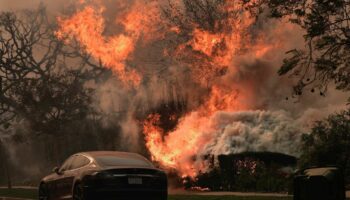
{"type": "Point", "coordinates": [73, 172]}
{"type": "Point", "coordinates": [68, 178]}
{"type": "Point", "coordinates": [61, 190]}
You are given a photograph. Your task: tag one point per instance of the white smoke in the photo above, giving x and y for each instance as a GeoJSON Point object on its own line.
{"type": "Point", "coordinates": [255, 131]}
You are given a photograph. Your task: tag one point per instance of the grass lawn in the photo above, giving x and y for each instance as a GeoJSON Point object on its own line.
{"type": "Point", "coordinates": [32, 194]}
{"type": "Point", "coordinates": [196, 197]}
{"type": "Point", "coordinates": [19, 193]}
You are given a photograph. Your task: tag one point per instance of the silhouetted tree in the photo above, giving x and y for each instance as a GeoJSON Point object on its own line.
{"type": "Point", "coordinates": [43, 86]}
{"type": "Point", "coordinates": [326, 56]}
{"type": "Point", "coordinates": [329, 143]}
{"type": "Point", "coordinates": [41, 79]}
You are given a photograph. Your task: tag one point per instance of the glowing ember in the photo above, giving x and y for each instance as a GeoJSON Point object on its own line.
{"type": "Point", "coordinates": [200, 189]}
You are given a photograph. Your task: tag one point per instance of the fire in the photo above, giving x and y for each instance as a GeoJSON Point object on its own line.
{"type": "Point", "coordinates": [154, 138]}
{"type": "Point", "coordinates": [177, 149]}
{"type": "Point", "coordinates": [221, 99]}
{"type": "Point", "coordinates": [209, 54]}
{"type": "Point", "coordinates": [87, 27]}
{"type": "Point", "coordinates": [141, 20]}
{"type": "Point", "coordinates": [206, 42]}
{"type": "Point", "coordinates": [180, 149]}
{"type": "Point", "coordinates": [214, 50]}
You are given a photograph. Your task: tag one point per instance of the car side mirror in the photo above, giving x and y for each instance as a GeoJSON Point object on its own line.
{"type": "Point", "coordinates": [57, 170]}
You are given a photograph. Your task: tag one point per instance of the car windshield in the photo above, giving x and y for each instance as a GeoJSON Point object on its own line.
{"type": "Point", "coordinates": [108, 161]}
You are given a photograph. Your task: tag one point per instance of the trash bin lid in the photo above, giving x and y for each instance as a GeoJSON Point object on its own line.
{"type": "Point", "coordinates": [327, 172]}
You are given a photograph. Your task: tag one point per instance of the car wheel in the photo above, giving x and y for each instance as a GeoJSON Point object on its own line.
{"type": "Point", "coordinates": [78, 193]}
{"type": "Point", "coordinates": [43, 192]}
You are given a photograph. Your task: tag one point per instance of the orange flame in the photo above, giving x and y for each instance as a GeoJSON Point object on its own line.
{"type": "Point", "coordinates": [87, 27]}
{"type": "Point", "coordinates": [182, 148]}
{"type": "Point", "coordinates": [213, 51]}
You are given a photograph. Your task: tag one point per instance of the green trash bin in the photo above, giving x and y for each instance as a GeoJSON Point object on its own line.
{"type": "Point", "coordinates": [322, 183]}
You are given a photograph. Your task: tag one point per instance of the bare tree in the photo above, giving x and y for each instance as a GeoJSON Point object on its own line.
{"type": "Point", "coordinates": [41, 79]}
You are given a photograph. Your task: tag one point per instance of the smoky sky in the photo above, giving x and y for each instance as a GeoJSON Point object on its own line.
{"type": "Point", "coordinates": [15, 5]}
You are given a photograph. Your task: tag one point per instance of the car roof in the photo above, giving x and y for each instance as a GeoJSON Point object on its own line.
{"type": "Point", "coordinates": [95, 154]}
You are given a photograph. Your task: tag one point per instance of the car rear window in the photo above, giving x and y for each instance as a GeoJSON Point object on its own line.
{"type": "Point", "coordinates": [108, 161]}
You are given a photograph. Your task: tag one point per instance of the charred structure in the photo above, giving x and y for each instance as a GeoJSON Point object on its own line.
{"type": "Point", "coordinates": [249, 171]}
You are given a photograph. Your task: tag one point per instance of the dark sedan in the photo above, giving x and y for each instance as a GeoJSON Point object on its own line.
{"type": "Point", "coordinates": [105, 175]}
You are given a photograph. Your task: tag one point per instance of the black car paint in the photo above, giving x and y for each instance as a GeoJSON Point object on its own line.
{"type": "Point", "coordinates": [61, 184]}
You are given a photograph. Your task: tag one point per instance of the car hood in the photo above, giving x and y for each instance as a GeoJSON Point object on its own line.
{"type": "Point", "coordinates": [50, 177]}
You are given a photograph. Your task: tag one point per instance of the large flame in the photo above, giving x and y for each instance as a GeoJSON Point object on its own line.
{"type": "Point", "coordinates": [209, 53]}
{"type": "Point", "coordinates": [182, 149]}
{"type": "Point", "coordinates": [87, 26]}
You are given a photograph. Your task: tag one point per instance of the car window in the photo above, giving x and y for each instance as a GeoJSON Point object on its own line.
{"type": "Point", "coordinates": [79, 161]}
{"type": "Point", "coordinates": [108, 161]}
{"type": "Point", "coordinates": [67, 164]}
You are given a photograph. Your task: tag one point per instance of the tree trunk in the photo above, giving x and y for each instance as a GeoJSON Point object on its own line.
{"type": "Point", "coordinates": [5, 164]}
{"type": "Point", "coordinates": [8, 174]}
